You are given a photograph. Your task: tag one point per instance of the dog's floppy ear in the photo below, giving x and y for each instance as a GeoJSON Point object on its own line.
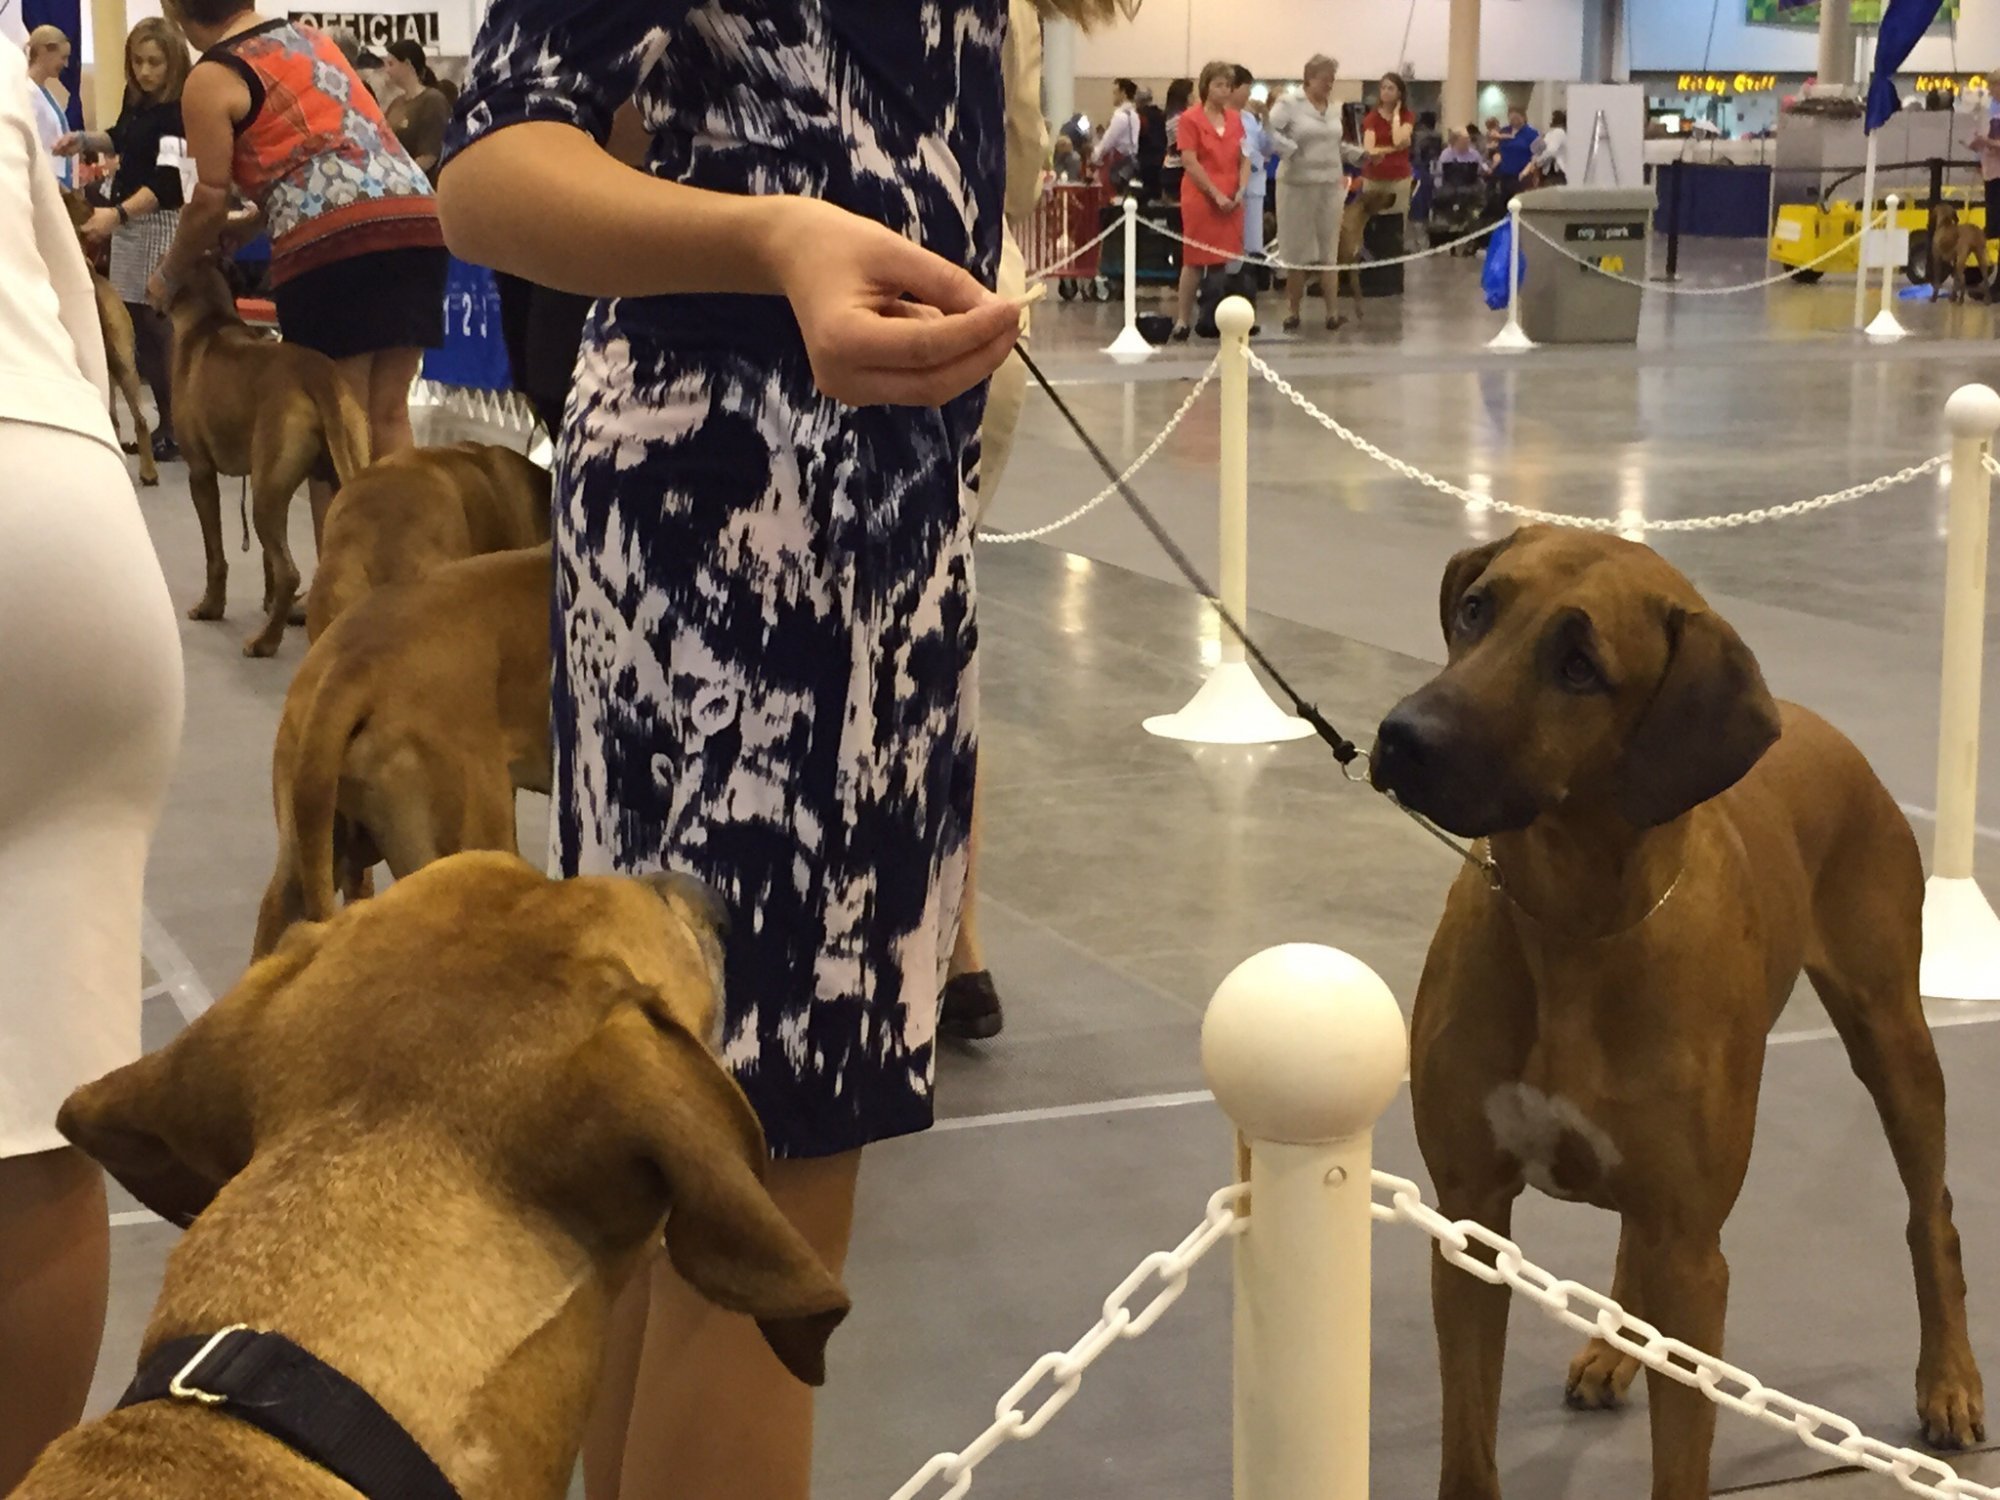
{"type": "Point", "coordinates": [1710, 721]}
{"type": "Point", "coordinates": [691, 1124]}
{"type": "Point", "coordinates": [1460, 574]}
{"type": "Point", "coordinates": [177, 1125]}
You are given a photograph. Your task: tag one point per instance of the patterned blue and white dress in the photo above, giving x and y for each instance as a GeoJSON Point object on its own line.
{"type": "Point", "coordinates": [764, 619]}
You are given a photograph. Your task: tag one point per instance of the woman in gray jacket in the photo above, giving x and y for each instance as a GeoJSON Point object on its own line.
{"type": "Point", "coordinates": [1312, 184]}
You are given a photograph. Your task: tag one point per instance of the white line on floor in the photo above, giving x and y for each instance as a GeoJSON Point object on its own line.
{"type": "Point", "coordinates": [134, 1218]}
{"type": "Point", "coordinates": [1076, 1111]}
{"type": "Point", "coordinates": [177, 973]}
{"type": "Point", "coordinates": [1925, 815]}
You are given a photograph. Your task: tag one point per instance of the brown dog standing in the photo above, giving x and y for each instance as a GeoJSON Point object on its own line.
{"type": "Point", "coordinates": [429, 1142]}
{"type": "Point", "coordinates": [1672, 848]}
{"type": "Point", "coordinates": [121, 348]}
{"type": "Point", "coordinates": [409, 728]}
{"type": "Point", "coordinates": [250, 406]}
{"type": "Point", "coordinates": [1353, 231]}
{"type": "Point", "coordinates": [405, 516]}
{"type": "Point", "coordinates": [1953, 243]}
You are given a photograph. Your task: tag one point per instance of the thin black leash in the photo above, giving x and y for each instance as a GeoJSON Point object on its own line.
{"type": "Point", "coordinates": [1345, 751]}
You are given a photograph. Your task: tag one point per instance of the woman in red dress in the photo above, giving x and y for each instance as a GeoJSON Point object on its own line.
{"type": "Point", "coordinates": [1210, 137]}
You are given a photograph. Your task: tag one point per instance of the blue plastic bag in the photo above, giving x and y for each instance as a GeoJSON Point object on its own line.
{"type": "Point", "coordinates": [475, 353]}
{"type": "Point", "coordinates": [1493, 276]}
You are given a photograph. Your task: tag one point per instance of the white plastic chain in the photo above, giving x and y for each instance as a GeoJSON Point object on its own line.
{"type": "Point", "coordinates": [1001, 538]}
{"type": "Point", "coordinates": [1724, 1384]}
{"type": "Point", "coordinates": [1616, 524]}
{"type": "Point", "coordinates": [1992, 464]}
{"type": "Point", "coordinates": [1276, 264]}
{"type": "Point", "coordinates": [1051, 272]}
{"type": "Point", "coordinates": [1691, 291]}
{"type": "Point", "coordinates": [1013, 1424]}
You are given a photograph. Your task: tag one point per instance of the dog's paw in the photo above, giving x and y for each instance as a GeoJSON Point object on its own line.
{"type": "Point", "coordinates": [1599, 1377]}
{"type": "Point", "coordinates": [208, 609]}
{"type": "Point", "coordinates": [1953, 1411]}
{"type": "Point", "coordinates": [149, 481]}
{"type": "Point", "coordinates": [260, 646]}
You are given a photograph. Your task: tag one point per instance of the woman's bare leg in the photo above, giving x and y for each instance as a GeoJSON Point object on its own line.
{"type": "Point", "coordinates": [388, 402]}
{"type": "Point", "coordinates": [1190, 281]}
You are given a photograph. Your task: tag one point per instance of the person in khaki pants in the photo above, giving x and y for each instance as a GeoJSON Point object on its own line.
{"type": "Point", "coordinates": [972, 1010]}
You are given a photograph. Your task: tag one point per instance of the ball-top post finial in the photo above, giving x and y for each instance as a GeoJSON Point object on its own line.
{"type": "Point", "coordinates": [1234, 317]}
{"type": "Point", "coordinates": [1304, 1044]}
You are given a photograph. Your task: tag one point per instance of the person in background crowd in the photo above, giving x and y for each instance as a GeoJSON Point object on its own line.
{"type": "Point", "coordinates": [48, 59]}
{"type": "Point", "coordinates": [1489, 140]}
{"type": "Point", "coordinates": [1152, 146]}
{"type": "Point", "coordinates": [1064, 162]}
{"type": "Point", "coordinates": [358, 262]}
{"type": "Point", "coordinates": [1179, 94]}
{"type": "Point", "coordinates": [91, 678]}
{"type": "Point", "coordinates": [1116, 159]}
{"type": "Point", "coordinates": [1461, 152]}
{"type": "Point", "coordinates": [1551, 163]}
{"type": "Point", "coordinates": [1386, 134]}
{"type": "Point", "coordinates": [1215, 173]}
{"type": "Point", "coordinates": [1514, 154]}
{"type": "Point", "coordinates": [145, 201]}
{"type": "Point", "coordinates": [1305, 131]}
{"type": "Point", "coordinates": [421, 111]}
{"type": "Point", "coordinates": [1987, 147]}
{"type": "Point", "coordinates": [1258, 150]}
{"type": "Point", "coordinates": [1425, 146]}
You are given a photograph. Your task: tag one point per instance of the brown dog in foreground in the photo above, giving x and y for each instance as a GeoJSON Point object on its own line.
{"type": "Point", "coordinates": [405, 516]}
{"type": "Point", "coordinates": [1671, 848]}
{"type": "Point", "coordinates": [121, 348]}
{"type": "Point", "coordinates": [1953, 243]}
{"type": "Point", "coordinates": [276, 413]}
{"type": "Point", "coordinates": [409, 728]}
{"type": "Point", "coordinates": [430, 1141]}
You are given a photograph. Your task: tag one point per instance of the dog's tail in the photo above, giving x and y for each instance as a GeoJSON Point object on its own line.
{"type": "Point", "coordinates": [335, 716]}
{"type": "Point", "coordinates": [346, 426]}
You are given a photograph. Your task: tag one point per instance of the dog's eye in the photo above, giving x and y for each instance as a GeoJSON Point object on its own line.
{"type": "Point", "coordinates": [1472, 612]}
{"type": "Point", "coordinates": [1580, 672]}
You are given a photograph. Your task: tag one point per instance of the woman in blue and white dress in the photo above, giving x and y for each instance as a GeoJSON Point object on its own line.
{"type": "Point", "coordinates": [764, 611]}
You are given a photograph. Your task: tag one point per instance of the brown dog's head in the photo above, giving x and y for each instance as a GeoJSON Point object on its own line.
{"type": "Point", "coordinates": [546, 1040]}
{"type": "Point", "coordinates": [1583, 671]}
{"type": "Point", "coordinates": [204, 295]}
{"type": "Point", "coordinates": [1944, 216]}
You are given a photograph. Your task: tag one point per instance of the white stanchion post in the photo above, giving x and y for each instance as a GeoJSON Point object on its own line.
{"type": "Point", "coordinates": [1512, 336]}
{"type": "Point", "coordinates": [1130, 346]}
{"type": "Point", "coordinates": [1961, 931]}
{"type": "Point", "coordinates": [1232, 707]}
{"type": "Point", "coordinates": [1304, 1048]}
{"type": "Point", "coordinates": [1867, 221]}
{"type": "Point", "coordinates": [1885, 327]}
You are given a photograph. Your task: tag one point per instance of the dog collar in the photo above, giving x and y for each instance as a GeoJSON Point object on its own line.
{"type": "Point", "coordinates": [1484, 857]}
{"type": "Point", "coordinates": [268, 1382]}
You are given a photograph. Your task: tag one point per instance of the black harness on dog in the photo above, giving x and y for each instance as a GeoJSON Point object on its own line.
{"type": "Point", "coordinates": [270, 1383]}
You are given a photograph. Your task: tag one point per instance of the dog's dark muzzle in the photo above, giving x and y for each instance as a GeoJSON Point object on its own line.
{"type": "Point", "coordinates": [1428, 760]}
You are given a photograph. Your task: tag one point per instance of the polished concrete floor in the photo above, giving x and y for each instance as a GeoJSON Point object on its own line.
{"type": "Point", "coordinates": [1125, 875]}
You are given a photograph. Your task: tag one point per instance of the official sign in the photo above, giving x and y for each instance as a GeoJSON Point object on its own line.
{"type": "Point", "coordinates": [377, 29]}
{"type": "Point", "coordinates": [1605, 234]}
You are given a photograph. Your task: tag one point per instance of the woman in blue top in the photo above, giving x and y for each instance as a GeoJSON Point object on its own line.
{"type": "Point", "coordinates": [764, 613]}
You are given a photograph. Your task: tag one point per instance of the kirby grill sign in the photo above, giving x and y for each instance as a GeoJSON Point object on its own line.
{"type": "Point", "coordinates": [1720, 83]}
{"type": "Point", "coordinates": [376, 29]}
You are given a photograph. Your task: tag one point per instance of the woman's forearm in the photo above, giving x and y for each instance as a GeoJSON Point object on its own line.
{"type": "Point", "coordinates": [142, 204]}
{"type": "Point", "coordinates": [543, 201]}
{"type": "Point", "coordinates": [1200, 176]}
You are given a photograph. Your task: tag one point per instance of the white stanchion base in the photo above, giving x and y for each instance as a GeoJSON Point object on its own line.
{"type": "Point", "coordinates": [1886, 328]}
{"type": "Point", "coordinates": [1961, 942]}
{"type": "Point", "coordinates": [1130, 346]}
{"type": "Point", "coordinates": [1512, 338]}
{"type": "Point", "coordinates": [1232, 708]}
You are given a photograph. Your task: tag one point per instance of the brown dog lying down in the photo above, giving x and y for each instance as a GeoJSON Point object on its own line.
{"type": "Point", "coordinates": [250, 406]}
{"type": "Point", "coordinates": [1672, 848]}
{"type": "Point", "coordinates": [1953, 243]}
{"type": "Point", "coordinates": [408, 730]}
{"type": "Point", "coordinates": [407, 515]}
{"type": "Point", "coordinates": [429, 1142]}
{"type": "Point", "coordinates": [121, 348]}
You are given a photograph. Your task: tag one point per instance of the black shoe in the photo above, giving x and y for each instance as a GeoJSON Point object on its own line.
{"type": "Point", "coordinates": [165, 449]}
{"type": "Point", "coordinates": [971, 1009]}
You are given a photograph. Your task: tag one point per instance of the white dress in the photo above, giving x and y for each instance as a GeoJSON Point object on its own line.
{"type": "Point", "coordinates": [90, 668]}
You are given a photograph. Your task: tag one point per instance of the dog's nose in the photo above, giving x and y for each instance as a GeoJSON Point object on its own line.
{"type": "Point", "coordinates": [1405, 746]}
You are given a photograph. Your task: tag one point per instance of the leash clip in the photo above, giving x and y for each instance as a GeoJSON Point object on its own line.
{"type": "Point", "coordinates": [1364, 775]}
{"type": "Point", "coordinates": [181, 1390]}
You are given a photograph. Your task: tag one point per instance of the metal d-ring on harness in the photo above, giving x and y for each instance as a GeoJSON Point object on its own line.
{"type": "Point", "coordinates": [1353, 760]}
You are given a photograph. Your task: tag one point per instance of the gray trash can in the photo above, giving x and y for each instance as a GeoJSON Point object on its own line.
{"type": "Point", "coordinates": [1563, 302]}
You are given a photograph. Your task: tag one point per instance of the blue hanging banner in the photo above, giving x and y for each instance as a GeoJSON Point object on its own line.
{"type": "Point", "coordinates": [66, 16]}
{"type": "Point", "coordinates": [474, 355]}
{"type": "Point", "coordinates": [1903, 26]}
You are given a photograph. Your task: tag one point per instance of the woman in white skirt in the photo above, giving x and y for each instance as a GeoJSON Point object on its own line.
{"type": "Point", "coordinates": [90, 676]}
{"type": "Point", "coordinates": [145, 205]}
{"type": "Point", "coordinates": [1304, 129]}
